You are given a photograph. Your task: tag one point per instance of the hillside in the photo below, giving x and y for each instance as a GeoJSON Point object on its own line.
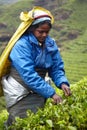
{"type": "Point", "coordinates": [69, 31]}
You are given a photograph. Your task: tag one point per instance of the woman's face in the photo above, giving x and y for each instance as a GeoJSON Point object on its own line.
{"type": "Point", "coordinates": [41, 32]}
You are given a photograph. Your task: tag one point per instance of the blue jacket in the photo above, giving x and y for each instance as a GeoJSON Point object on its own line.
{"type": "Point", "coordinates": [27, 55]}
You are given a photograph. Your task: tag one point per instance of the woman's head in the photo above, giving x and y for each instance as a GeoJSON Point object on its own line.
{"type": "Point", "coordinates": [40, 22]}
{"type": "Point", "coordinates": [41, 30]}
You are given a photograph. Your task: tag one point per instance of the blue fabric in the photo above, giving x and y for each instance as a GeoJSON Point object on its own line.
{"type": "Point", "coordinates": [27, 55]}
{"type": "Point", "coordinates": [41, 20]}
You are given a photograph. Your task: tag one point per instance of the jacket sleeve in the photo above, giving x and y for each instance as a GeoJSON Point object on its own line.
{"type": "Point", "coordinates": [57, 72]}
{"type": "Point", "coordinates": [22, 60]}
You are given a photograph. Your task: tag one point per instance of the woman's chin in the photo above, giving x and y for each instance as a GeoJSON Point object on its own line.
{"type": "Point", "coordinates": [41, 40]}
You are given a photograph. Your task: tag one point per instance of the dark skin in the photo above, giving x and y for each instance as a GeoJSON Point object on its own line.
{"type": "Point", "coordinates": [41, 33]}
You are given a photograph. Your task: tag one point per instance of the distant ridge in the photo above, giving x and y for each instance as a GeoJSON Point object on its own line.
{"type": "Point", "coordinates": [8, 1]}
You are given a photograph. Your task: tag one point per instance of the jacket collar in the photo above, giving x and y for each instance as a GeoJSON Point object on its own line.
{"type": "Point", "coordinates": [33, 39]}
{"type": "Point", "coordinates": [49, 42]}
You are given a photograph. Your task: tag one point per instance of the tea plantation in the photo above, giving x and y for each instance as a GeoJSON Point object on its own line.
{"type": "Point", "coordinates": [71, 114]}
{"type": "Point", "coordinates": [70, 32]}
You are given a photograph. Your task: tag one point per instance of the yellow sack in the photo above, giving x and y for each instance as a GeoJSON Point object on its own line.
{"type": "Point", "coordinates": [27, 19]}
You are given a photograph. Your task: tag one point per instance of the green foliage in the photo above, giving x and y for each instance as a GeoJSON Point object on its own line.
{"type": "Point", "coordinates": [71, 114]}
{"type": "Point", "coordinates": [3, 117]}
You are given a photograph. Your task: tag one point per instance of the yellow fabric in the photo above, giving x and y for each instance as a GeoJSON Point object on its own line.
{"type": "Point", "coordinates": [27, 18]}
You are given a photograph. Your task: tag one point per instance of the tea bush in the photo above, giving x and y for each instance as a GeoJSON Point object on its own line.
{"type": "Point", "coordinates": [71, 114]}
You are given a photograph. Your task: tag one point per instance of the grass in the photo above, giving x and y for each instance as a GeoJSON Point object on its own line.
{"type": "Point", "coordinates": [75, 59]}
{"type": "Point", "coordinates": [12, 17]}
{"type": "Point", "coordinates": [74, 52]}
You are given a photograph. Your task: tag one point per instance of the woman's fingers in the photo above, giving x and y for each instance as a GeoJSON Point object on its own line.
{"type": "Point", "coordinates": [66, 90]}
{"type": "Point", "coordinates": [56, 99]}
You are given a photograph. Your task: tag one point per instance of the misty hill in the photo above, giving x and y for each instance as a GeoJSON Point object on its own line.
{"type": "Point", "coordinates": [8, 1]}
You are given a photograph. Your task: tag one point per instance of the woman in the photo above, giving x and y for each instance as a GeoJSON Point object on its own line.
{"type": "Point", "coordinates": [33, 55]}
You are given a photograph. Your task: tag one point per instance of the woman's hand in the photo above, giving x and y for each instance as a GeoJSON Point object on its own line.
{"type": "Point", "coordinates": [56, 99]}
{"type": "Point", "coordinates": [66, 90]}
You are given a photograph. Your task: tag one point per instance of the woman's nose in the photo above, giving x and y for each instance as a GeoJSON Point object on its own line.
{"type": "Point", "coordinates": [45, 34]}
